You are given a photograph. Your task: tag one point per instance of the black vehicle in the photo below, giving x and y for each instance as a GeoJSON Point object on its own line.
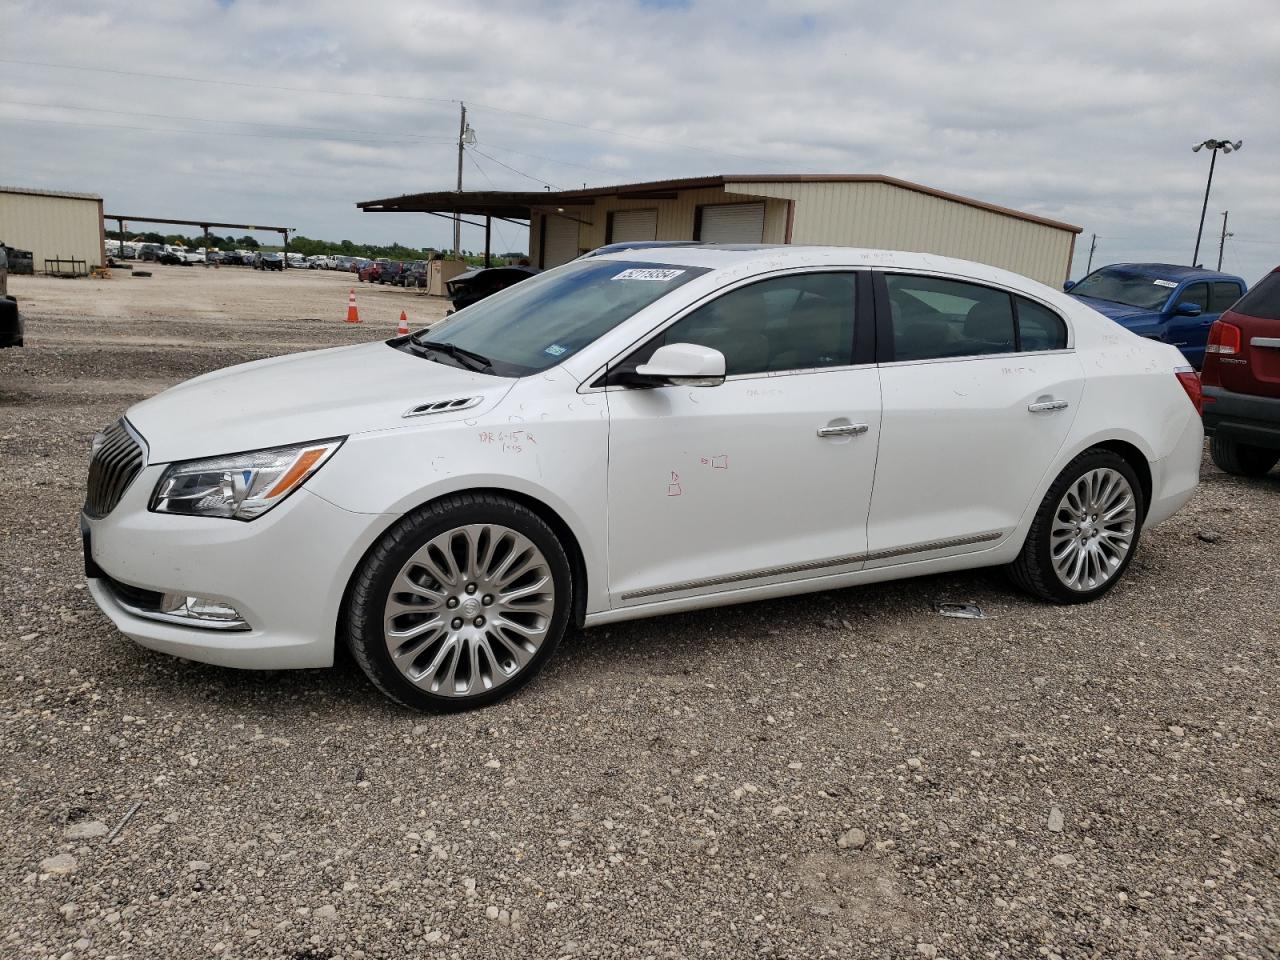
{"type": "Point", "coordinates": [10, 319]}
{"type": "Point", "coordinates": [391, 273]}
{"type": "Point", "coordinates": [415, 275]}
{"type": "Point", "coordinates": [172, 259]}
{"type": "Point", "coordinates": [474, 285]}
{"type": "Point", "coordinates": [268, 261]}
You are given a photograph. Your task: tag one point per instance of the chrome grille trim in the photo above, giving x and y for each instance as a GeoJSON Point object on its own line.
{"type": "Point", "coordinates": [812, 565]}
{"type": "Point", "coordinates": [113, 467]}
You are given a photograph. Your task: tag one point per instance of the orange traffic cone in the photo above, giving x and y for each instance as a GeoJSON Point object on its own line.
{"type": "Point", "coordinates": [403, 329]}
{"type": "Point", "coordinates": [353, 315]}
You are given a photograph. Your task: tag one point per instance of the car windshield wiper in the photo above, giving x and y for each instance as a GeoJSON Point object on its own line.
{"type": "Point", "coordinates": [467, 358]}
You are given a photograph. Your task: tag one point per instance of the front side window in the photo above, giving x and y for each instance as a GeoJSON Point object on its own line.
{"type": "Point", "coordinates": [1197, 293]}
{"type": "Point", "coordinates": [933, 318]}
{"type": "Point", "coordinates": [546, 319]}
{"type": "Point", "coordinates": [798, 322]}
{"type": "Point", "coordinates": [1222, 294]}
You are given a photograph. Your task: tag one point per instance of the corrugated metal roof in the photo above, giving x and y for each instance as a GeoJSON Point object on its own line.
{"type": "Point", "coordinates": [50, 193]}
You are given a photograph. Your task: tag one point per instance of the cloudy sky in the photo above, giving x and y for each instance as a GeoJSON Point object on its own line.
{"type": "Point", "coordinates": [290, 112]}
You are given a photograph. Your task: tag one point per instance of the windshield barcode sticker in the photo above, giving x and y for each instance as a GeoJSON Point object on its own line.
{"type": "Point", "coordinates": [1164, 283]}
{"type": "Point", "coordinates": [639, 273]}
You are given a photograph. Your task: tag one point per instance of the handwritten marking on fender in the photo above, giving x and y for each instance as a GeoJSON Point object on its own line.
{"type": "Point", "coordinates": [512, 441]}
{"type": "Point", "coordinates": [718, 462]}
{"type": "Point", "coordinates": [673, 488]}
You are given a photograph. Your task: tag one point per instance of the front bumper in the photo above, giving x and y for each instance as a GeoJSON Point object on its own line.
{"type": "Point", "coordinates": [285, 572]}
{"type": "Point", "coordinates": [1242, 417]}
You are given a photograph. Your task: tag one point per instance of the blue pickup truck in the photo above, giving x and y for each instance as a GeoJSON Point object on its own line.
{"type": "Point", "coordinates": [1161, 301]}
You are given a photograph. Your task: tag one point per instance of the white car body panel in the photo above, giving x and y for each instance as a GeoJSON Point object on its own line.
{"type": "Point", "coordinates": [765, 507]}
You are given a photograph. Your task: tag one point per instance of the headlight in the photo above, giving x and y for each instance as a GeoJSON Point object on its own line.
{"type": "Point", "coordinates": [240, 486]}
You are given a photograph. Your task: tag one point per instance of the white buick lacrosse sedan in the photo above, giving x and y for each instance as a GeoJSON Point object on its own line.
{"type": "Point", "coordinates": [628, 435]}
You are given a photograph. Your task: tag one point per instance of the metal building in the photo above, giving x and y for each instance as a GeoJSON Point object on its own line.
{"type": "Point", "coordinates": [856, 210]}
{"type": "Point", "coordinates": [62, 230]}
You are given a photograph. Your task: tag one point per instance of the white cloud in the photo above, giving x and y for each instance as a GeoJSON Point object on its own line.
{"type": "Point", "coordinates": [1085, 112]}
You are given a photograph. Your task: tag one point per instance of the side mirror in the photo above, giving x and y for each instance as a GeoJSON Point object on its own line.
{"type": "Point", "coordinates": [1068, 285]}
{"type": "Point", "coordinates": [1188, 309]}
{"type": "Point", "coordinates": [682, 364]}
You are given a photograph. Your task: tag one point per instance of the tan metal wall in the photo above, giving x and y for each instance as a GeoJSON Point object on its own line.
{"type": "Point", "coordinates": [50, 227]}
{"type": "Point", "coordinates": [883, 216]}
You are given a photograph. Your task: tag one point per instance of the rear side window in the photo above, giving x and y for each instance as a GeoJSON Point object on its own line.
{"type": "Point", "coordinates": [1222, 295]}
{"type": "Point", "coordinates": [935, 318]}
{"type": "Point", "coordinates": [1263, 301]}
{"type": "Point", "coordinates": [1039, 328]}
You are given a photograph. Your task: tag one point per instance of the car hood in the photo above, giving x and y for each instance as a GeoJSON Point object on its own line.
{"type": "Point", "coordinates": [1120, 312]}
{"type": "Point", "coordinates": [301, 397]}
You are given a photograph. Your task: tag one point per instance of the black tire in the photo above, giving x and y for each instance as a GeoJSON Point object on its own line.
{"type": "Point", "coordinates": [1242, 459]}
{"type": "Point", "coordinates": [1033, 570]}
{"type": "Point", "coordinates": [373, 580]}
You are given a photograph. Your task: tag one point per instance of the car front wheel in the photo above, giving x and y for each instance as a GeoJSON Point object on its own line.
{"type": "Point", "coordinates": [1242, 459]}
{"type": "Point", "coordinates": [460, 603]}
{"type": "Point", "coordinates": [1085, 532]}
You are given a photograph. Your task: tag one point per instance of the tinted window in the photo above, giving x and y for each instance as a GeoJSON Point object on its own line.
{"type": "Point", "coordinates": [1222, 294]}
{"type": "Point", "coordinates": [543, 321]}
{"type": "Point", "coordinates": [1039, 328]}
{"type": "Point", "coordinates": [934, 318]}
{"type": "Point", "coordinates": [1197, 293]}
{"type": "Point", "coordinates": [788, 323]}
{"type": "Point", "coordinates": [1263, 301]}
{"type": "Point", "coordinates": [1119, 285]}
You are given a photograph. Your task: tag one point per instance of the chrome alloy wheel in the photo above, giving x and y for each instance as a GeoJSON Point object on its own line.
{"type": "Point", "coordinates": [1093, 529]}
{"type": "Point", "coordinates": [469, 610]}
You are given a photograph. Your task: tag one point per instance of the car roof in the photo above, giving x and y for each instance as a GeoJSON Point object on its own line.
{"type": "Point", "coordinates": [1170, 271]}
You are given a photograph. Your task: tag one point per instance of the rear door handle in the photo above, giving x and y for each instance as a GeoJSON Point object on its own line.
{"type": "Point", "coordinates": [843, 430]}
{"type": "Point", "coordinates": [1043, 406]}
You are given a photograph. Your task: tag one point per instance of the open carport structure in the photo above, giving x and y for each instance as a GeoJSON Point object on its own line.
{"type": "Point", "coordinates": [204, 225]}
{"type": "Point", "coordinates": [857, 210]}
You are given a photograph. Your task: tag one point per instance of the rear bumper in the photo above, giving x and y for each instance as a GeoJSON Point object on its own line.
{"type": "Point", "coordinates": [1175, 477]}
{"type": "Point", "coordinates": [1242, 417]}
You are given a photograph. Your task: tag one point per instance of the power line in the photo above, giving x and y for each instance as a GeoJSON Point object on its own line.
{"type": "Point", "coordinates": [498, 230]}
{"type": "Point", "coordinates": [537, 156]}
{"type": "Point", "coordinates": [518, 172]}
{"type": "Point", "coordinates": [219, 133]}
{"type": "Point", "coordinates": [250, 123]}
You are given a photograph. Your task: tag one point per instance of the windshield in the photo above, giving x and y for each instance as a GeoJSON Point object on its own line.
{"type": "Point", "coordinates": [1125, 286]}
{"type": "Point", "coordinates": [542, 321]}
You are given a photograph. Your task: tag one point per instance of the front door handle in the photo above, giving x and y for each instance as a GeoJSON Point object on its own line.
{"type": "Point", "coordinates": [843, 430]}
{"type": "Point", "coordinates": [1043, 406]}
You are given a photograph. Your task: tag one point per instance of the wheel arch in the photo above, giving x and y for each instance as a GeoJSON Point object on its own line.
{"type": "Point", "coordinates": [1138, 461]}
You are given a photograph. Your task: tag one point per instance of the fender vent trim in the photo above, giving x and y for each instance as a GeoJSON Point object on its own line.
{"type": "Point", "coordinates": [442, 406]}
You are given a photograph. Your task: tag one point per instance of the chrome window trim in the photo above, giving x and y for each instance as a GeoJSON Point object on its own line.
{"type": "Point", "coordinates": [716, 294]}
{"type": "Point", "coordinates": [968, 358]}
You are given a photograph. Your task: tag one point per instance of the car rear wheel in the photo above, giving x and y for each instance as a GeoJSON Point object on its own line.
{"type": "Point", "coordinates": [1085, 532]}
{"type": "Point", "coordinates": [1242, 459]}
{"type": "Point", "coordinates": [460, 604]}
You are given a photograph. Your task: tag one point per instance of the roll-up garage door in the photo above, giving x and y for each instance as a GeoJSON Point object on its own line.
{"type": "Point", "coordinates": [561, 241]}
{"type": "Point", "coordinates": [633, 225]}
{"type": "Point", "coordinates": [732, 223]}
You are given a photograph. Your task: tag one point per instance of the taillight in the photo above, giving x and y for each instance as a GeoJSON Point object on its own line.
{"type": "Point", "coordinates": [1191, 383]}
{"type": "Point", "coordinates": [1224, 339]}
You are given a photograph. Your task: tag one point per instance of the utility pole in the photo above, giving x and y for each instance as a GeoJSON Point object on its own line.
{"type": "Point", "coordinates": [457, 223]}
{"type": "Point", "coordinates": [1222, 242]}
{"type": "Point", "coordinates": [1093, 245]}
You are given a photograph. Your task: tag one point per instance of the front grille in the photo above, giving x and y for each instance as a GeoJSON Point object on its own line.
{"type": "Point", "coordinates": [115, 463]}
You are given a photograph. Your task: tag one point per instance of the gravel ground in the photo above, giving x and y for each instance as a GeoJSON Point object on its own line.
{"type": "Point", "coordinates": [845, 774]}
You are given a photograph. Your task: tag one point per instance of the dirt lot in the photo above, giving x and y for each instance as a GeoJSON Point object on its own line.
{"type": "Point", "coordinates": [844, 774]}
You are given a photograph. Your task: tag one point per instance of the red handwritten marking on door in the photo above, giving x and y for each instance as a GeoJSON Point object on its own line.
{"type": "Point", "coordinates": [673, 488]}
{"type": "Point", "coordinates": [718, 462]}
{"type": "Point", "coordinates": [512, 441]}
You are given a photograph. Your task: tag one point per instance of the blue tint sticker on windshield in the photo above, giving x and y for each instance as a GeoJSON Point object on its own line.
{"type": "Point", "coordinates": [640, 273]}
{"type": "Point", "coordinates": [556, 350]}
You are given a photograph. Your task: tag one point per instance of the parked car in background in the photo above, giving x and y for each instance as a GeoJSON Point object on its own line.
{"type": "Point", "coordinates": [1241, 380]}
{"type": "Point", "coordinates": [149, 252]}
{"type": "Point", "coordinates": [371, 271]}
{"type": "Point", "coordinates": [1161, 301]}
{"type": "Point", "coordinates": [416, 276]}
{"type": "Point", "coordinates": [11, 327]}
{"type": "Point", "coordinates": [268, 261]}
{"type": "Point", "coordinates": [173, 258]}
{"type": "Point", "coordinates": [391, 272]}
{"type": "Point", "coordinates": [474, 285]}
{"type": "Point", "coordinates": [447, 502]}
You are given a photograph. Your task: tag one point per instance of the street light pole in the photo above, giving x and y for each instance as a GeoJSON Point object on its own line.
{"type": "Point", "coordinates": [1226, 146]}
